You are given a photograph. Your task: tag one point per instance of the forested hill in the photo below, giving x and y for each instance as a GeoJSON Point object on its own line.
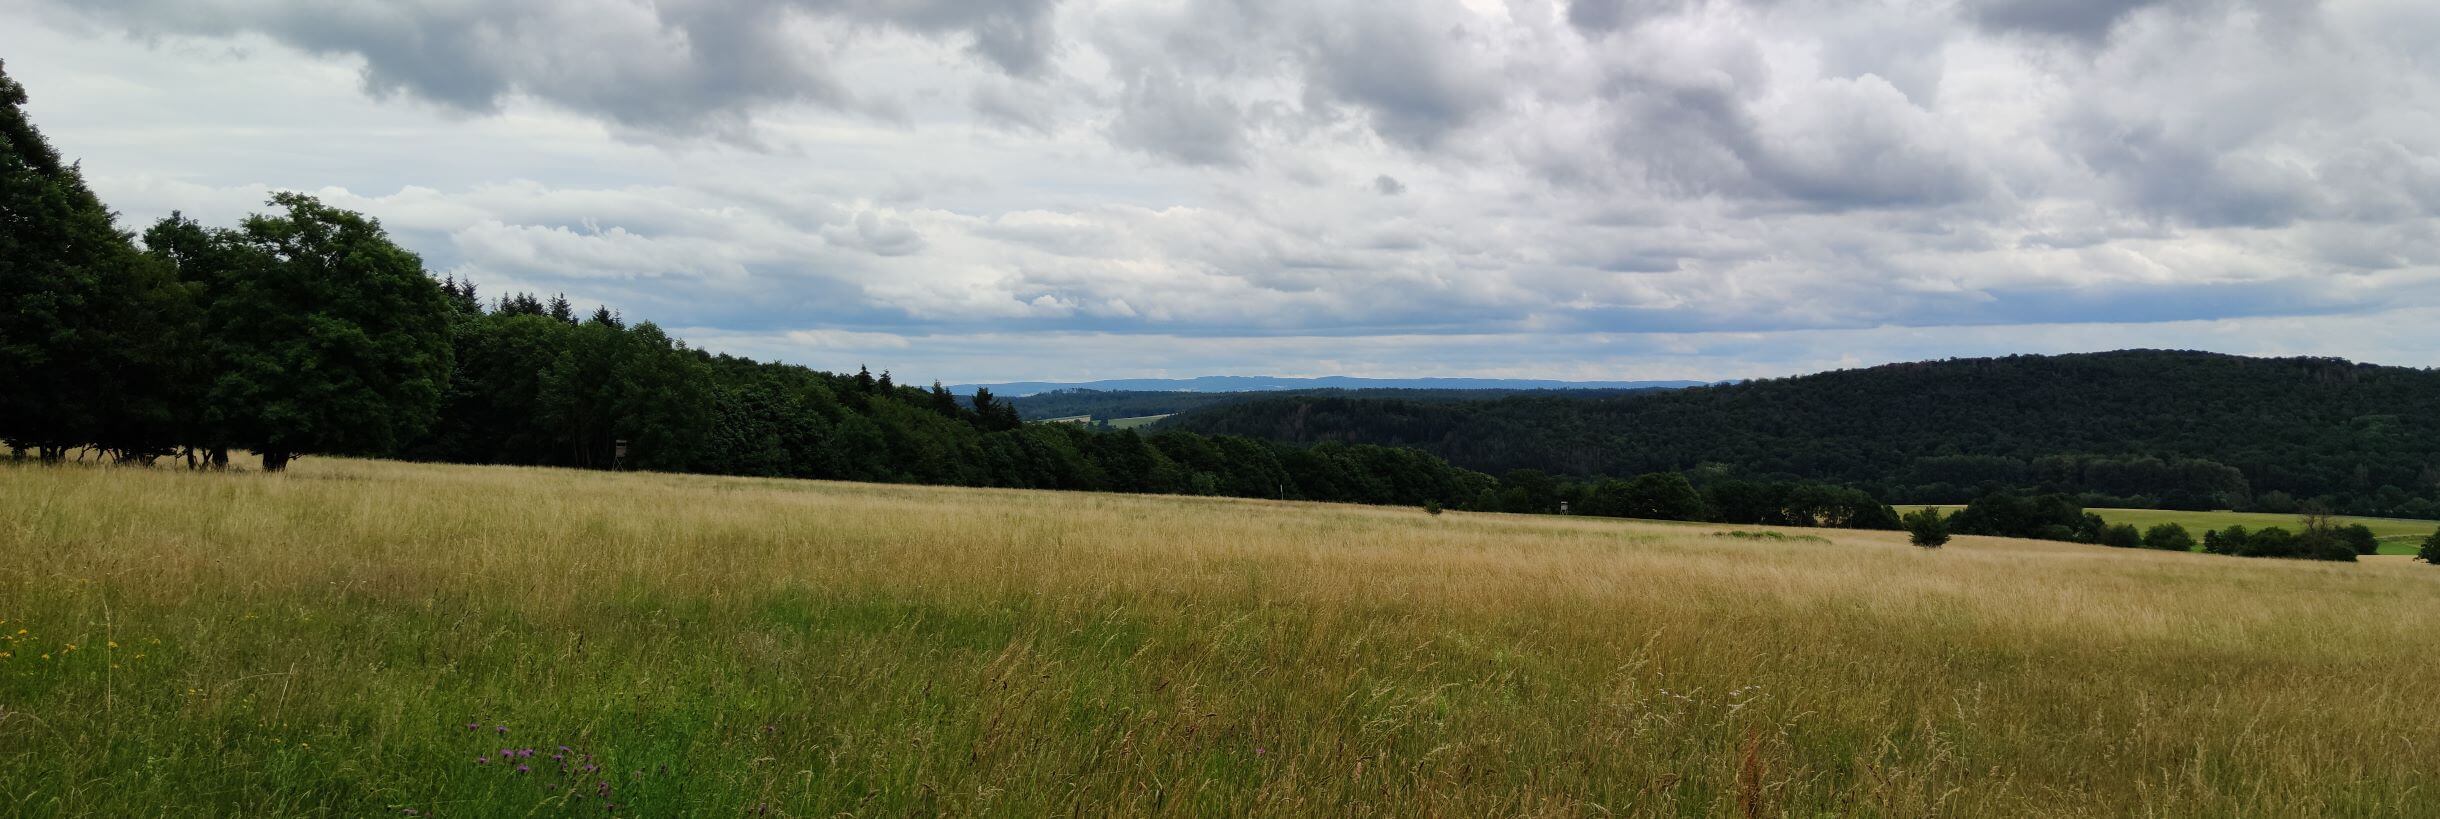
{"type": "Point", "coordinates": [2148, 427]}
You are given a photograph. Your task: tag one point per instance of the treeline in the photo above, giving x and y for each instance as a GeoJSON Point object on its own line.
{"type": "Point", "coordinates": [2154, 429]}
{"type": "Point", "coordinates": [2058, 517]}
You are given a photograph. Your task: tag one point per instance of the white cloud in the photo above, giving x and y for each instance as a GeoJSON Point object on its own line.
{"type": "Point", "coordinates": [1131, 186]}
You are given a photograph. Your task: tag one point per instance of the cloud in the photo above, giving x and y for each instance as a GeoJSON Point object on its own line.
{"type": "Point", "coordinates": [2089, 20]}
{"type": "Point", "coordinates": [1167, 115]}
{"type": "Point", "coordinates": [1029, 188]}
{"type": "Point", "coordinates": [681, 67]}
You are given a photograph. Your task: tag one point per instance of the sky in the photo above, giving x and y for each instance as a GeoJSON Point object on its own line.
{"type": "Point", "coordinates": [1006, 190]}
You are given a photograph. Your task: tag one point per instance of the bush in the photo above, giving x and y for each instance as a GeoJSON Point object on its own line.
{"type": "Point", "coordinates": [2168, 537]}
{"type": "Point", "coordinates": [2277, 542]}
{"type": "Point", "coordinates": [1929, 529]}
{"type": "Point", "coordinates": [2002, 514]}
{"type": "Point", "coordinates": [2430, 553]}
{"type": "Point", "coordinates": [2123, 536]}
{"type": "Point", "coordinates": [2359, 538]}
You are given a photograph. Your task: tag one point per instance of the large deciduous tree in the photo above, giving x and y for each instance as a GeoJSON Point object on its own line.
{"type": "Point", "coordinates": [89, 327]}
{"type": "Point", "coordinates": [330, 337]}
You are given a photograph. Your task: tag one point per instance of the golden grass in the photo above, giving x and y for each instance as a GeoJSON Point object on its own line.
{"type": "Point", "coordinates": [807, 648]}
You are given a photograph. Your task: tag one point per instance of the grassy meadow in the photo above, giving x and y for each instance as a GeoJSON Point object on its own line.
{"type": "Point", "coordinates": [362, 638]}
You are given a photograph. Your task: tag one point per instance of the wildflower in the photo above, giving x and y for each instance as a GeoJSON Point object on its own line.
{"type": "Point", "coordinates": [114, 644]}
{"type": "Point", "coordinates": [525, 752]}
{"type": "Point", "coordinates": [482, 760]}
{"type": "Point", "coordinates": [474, 726]}
{"type": "Point", "coordinates": [500, 729]}
{"type": "Point", "coordinates": [523, 769]}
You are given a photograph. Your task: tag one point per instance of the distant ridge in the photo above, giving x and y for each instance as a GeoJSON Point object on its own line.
{"type": "Point", "coordinates": [2133, 428]}
{"type": "Point", "coordinates": [1271, 383]}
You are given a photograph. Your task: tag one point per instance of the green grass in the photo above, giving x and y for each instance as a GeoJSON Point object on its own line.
{"type": "Point", "coordinates": [1137, 422]}
{"type": "Point", "coordinates": [318, 643]}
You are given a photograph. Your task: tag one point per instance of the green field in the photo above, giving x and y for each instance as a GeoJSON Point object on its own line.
{"type": "Point", "coordinates": [1137, 422]}
{"type": "Point", "coordinates": [2398, 537]}
{"type": "Point", "coordinates": [360, 638]}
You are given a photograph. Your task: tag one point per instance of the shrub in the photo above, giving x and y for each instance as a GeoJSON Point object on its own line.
{"type": "Point", "coordinates": [2430, 553]}
{"type": "Point", "coordinates": [1929, 529]}
{"type": "Point", "coordinates": [2359, 538]}
{"type": "Point", "coordinates": [2123, 536]}
{"type": "Point", "coordinates": [2168, 537]}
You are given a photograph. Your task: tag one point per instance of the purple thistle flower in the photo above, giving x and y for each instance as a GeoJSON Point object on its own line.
{"type": "Point", "coordinates": [525, 752]}
{"type": "Point", "coordinates": [523, 769]}
{"type": "Point", "coordinates": [502, 729]}
{"type": "Point", "coordinates": [471, 726]}
{"type": "Point", "coordinates": [506, 753]}
{"type": "Point", "coordinates": [482, 760]}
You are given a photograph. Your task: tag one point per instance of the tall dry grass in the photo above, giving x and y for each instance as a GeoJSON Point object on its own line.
{"type": "Point", "coordinates": [319, 642]}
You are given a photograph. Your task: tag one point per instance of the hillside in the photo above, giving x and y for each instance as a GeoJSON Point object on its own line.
{"type": "Point", "coordinates": [364, 638]}
{"type": "Point", "coordinates": [2140, 427]}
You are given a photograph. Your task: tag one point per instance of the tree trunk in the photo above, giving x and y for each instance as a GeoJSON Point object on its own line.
{"type": "Point", "coordinates": [16, 452]}
{"type": "Point", "coordinates": [274, 461]}
{"type": "Point", "coordinates": [219, 459]}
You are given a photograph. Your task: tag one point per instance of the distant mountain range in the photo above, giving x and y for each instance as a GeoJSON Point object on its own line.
{"type": "Point", "coordinates": [1272, 383]}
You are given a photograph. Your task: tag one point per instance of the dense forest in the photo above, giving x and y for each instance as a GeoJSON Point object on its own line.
{"type": "Point", "coordinates": [2133, 428]}
{"type": "Point", "coordinates": [1104, 405]}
